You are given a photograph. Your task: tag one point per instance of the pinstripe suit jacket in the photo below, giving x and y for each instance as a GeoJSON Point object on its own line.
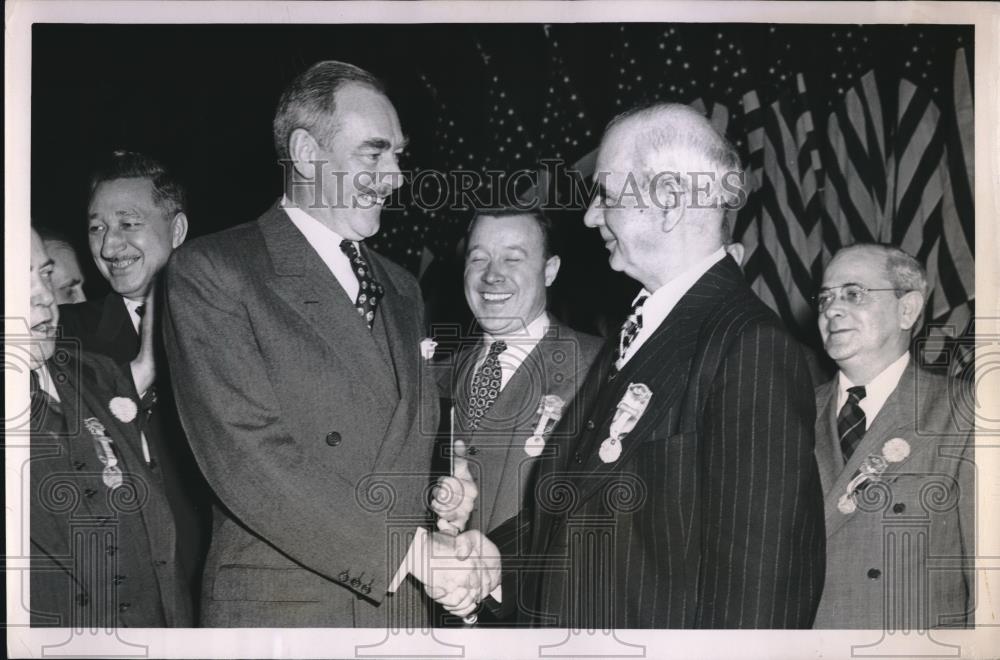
{"type": "Point", "coordinates": [307, 425]}
{"type": "Point", "coordinates": [712, 517]}
{"type": "Point", "coordinates": [880, 558]}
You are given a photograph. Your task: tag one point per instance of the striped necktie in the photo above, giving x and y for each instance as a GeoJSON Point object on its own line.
{"type": "Point", "coordinates": [630, 330]}
{"type": "Point", "coordinates": [851, 421]}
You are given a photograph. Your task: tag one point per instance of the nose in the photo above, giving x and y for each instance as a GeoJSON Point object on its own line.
{"type": "Point", "coordinates": [112, 243]}
{"type": "Point", "coordinates": [492, 273]}
{"type": "Point", "coordinates": [41, 294]}
{"type": "Point", "coordinates": [391, 178]}
{"type": "Point", "coordinates": [594, 216]}
{"type": "Point", "coordinates": [836, 308]}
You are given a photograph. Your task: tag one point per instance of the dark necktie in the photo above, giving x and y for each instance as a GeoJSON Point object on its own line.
{"type": "Point", "coordinates": [369, 290]}
{"type": "Point", "coordinates": [486, 384]}
{"type": "Point", "coordinates": [140, 310]}
{"type": "Point", "coordinates": [630, 329]}
{"type": "Point", "coordinates": [851, 421]}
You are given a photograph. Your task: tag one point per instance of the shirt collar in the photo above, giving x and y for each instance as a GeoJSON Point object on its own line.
{"type": "Point", "coordinates": [662, 301]}
{"type": "Point", "coordinates": [877, 391]}
{"type": "Point", "coordinates": [314, 230]}
{"type": "Point", "coordinates": [45, 382]}
{"type": "Point", "coordinates": [532, 333]}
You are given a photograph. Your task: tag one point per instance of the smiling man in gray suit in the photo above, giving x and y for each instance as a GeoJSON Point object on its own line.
{"type": "Point", "coordinates": [298, 370]}
{"type": "Point", "coordinates": [896, 467]}
{"type": "Point", "coordinates": [538, 362]}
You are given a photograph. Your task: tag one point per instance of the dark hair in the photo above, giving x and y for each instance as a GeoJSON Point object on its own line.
{"type": "Point", "coordinates": [168, 193]}
{"type": "Point", "coordinates": [541, 220]}
{"type": "Point", "coordinates": [308, 101]}
{"type": "Point", "coordinates": [47, 233]}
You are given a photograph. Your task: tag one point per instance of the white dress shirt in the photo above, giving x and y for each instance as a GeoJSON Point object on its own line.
{"type": "Point", "coordinates": [45, 382]}
{"type": "Point", "coordinates": [662, 301]}
{"type": "Point", "coordinates": [133, 314]}
{"type": "Point", "coordinates": [326, 242]}
{"type": "Point", "coordinates": [519, 347]}
{"type": "Point", "coordinates": [876, 391]}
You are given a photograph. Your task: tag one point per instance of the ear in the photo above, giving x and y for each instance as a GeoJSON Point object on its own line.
{"type": "Point", "coordinates": [551, 269]}
{"type": "Point", "coordinates": [178, 230]}
{"type": "Point", "coordinates": [302, 149]}
{"type": "Point", "coordinates": [667, 198]}
{"type": "Point", "coordinates": [910, 306]}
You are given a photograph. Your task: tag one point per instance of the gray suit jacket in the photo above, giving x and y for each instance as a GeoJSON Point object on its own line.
{"type": "Point", "coordinates": [497, 457]}
{"type": "Point", "coordinates": [903, 558]}
{"type": "Point", "coordinates": [306, 424]}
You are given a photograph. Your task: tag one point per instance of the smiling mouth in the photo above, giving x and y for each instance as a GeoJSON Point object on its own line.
{"type": "Point", "coordinates": [121, 264]}
{"type": "Point", "coordinates": [496, 297]}
{"type": "Point", "coordinates": [371, 200]}
{"type": "Point", "coordinates": [44, 328]}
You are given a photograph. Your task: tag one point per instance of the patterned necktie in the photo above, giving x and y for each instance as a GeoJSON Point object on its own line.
{"type": "Point", "coordinates": [369, 290]}
{"type": "Point", "coordinates": [851, 421]}
{"type": "Point", "coordinates": [630, 330]}
{"type": "Point", "coordinates": [486, 384]}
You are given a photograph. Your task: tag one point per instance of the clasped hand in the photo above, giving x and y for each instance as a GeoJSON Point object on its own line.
{"type": "Point", "coordinates": [459, 571]}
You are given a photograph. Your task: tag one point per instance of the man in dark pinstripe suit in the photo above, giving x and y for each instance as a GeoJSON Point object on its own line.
{"type": "Point", "coordinates": [689, 497]}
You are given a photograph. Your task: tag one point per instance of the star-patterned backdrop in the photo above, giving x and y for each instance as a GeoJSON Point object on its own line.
{"type": "Point", "coordinates": [847, 132]}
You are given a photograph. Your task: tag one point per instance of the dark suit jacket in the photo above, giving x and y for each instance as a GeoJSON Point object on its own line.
{"type": "Point", "coordinates": [712, 517]}
{"type": "Point", "coordinates": [100, 557]}
{"type": "Point", "coordinates": [308, 426]}
{"type": "Point", "coordinates": [881, 558]}
{"type": "Point", "coordinates": [497, 459]}
{"type": "Point", "coordinates": [104, 326]}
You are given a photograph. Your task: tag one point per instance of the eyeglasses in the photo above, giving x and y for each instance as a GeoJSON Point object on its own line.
{"type": "Point", "coordinates": [854, 294]}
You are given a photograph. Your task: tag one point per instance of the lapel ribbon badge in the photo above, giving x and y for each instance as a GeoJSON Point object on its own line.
{"type": "Point", "coordinates": [871, 469]}
{"type": "Point", "coordinates": [112, 474]}
{"type": "Point", "coordinates": [550, 409]}
{"type": "Point", "coordinates": [630, 409]}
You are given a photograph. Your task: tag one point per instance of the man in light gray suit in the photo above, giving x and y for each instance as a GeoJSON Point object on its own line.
{"type": "Point", "coordinates": [296, 354]}
{"type": "Point", "coordinates": [896, 468]}
{"type": "Point", "coordinates": [509, 265]}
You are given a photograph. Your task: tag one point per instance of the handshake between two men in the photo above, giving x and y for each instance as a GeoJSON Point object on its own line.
{"type": "Point", "coordinates": [457, 568]}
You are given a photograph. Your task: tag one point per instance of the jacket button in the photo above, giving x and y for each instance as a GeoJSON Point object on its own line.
{"type": "Point", "coordinates": [333, 438]}
{"type": "Point", "coordinates": [898, 507]}
{"type": "Point", "coordinates": [112, 549]}
{"type": "Point", "coordinates": [355, 582]}
{"type": "Point", "coordinates": [79, 465]}
{"type": "Point", "coordinates": [82, 600]}
{"type": "Point", "coordinates": [118, 579]}
{"type": "Point", "coordinates": [161, 562]}
{"type": "Point", "coordinates": [366, 589]}
{"type": "Point", "coordinates": [472, 451]}
{"type": "Point", "coordinates": [874, 574]}
{"type": "Point", "coordinates": [123, 607]}
{"type": "Point", "coordinates": [590, 425]}
{"type": "Point", "coordinates": [578, 458]}
{"type": "Point", "coordinates": [344, 576]}
{"type": "Point", "coordinates": [89, 492]}
{"type": "Point", "coordinates": [152, 464]}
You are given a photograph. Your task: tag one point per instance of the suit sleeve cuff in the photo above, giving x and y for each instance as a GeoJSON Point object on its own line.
{"type": "Point", "coordinates": [410, 560]}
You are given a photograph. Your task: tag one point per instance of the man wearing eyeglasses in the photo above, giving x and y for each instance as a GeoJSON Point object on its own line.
{"type": "Point", "coordinates": [896, 467]}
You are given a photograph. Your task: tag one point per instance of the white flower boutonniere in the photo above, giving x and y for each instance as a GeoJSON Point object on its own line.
{"type": "Point", "coordinates": [123, 408]}
{"type": "Point", "coordinates": [896, 450]}
{"type": "Point", "coordinates": [630, 409]}
{"type": "Point", "coordinates": [427, 347]}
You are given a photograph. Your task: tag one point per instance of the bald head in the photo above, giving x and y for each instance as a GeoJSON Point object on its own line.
{"type": "Point", "coordinates": [671, 145]}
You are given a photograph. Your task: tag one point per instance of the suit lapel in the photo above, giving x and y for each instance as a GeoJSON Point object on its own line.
{"type": "Point", "coordinates": [894, 419]}
{"type": "Point", "coordinates": [303, 280]}
{"type": "Point", "coordinates": [669, 350]}
{"type": "Point", "coordinates": [828, 456]}
{"type": "Point", "coordinates": [403, 333]}
{"type": "Point", "coordinates": [114, 328]}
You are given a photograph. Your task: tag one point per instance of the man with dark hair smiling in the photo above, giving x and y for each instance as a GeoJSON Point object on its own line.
{"type": "Point", "coordinates": [302, 385]}
{"type": "Point", "coordinates": [135, 219]}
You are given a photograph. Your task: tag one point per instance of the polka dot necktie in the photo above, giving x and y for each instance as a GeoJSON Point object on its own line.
{"type": "Point", "coordinates": [486, 384]}
{"type": "Point", "coordinates": [369, 290]}
{"type": "Point", "coordinates": [630, 330]}
{"type": "Point", "coordinates": [851, 421]}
